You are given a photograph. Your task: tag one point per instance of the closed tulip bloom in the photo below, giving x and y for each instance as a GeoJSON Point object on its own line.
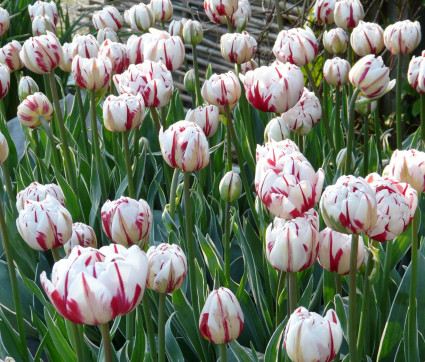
{"type": "Point", "coordinates": [4, 80]}
{"type": "Point", "coordinates": [44, 225]}
{"type": "Point", "coordinates": [292, 245]}
{"type": "Point", "coordinates": [32, 108]}
{"type": "Point", "coordinates": [117, 53]}
{"type": "Point", "coordinates": [176, 28]}
{"type": "Point", "coordinates": [311, 337]}
{"type": "Point", "coordinates": [4, 21]}
{"type": "Point", "coordinates": [348, 13]}
{"type": "Point", "coordinates": [349, 206]}
{"type": "Point", "coordinates": [230, 187]}
{"type": "Point", "coordinates": [222, 89]}
{"type": "Point", "coordinates": [9, 55]}
{"type": "Point", "coordinates": [123, 113]}
{"type": "Point", "coordinates": [162, 9]}
{"type": "Point", "coordinates": [367, 38]}
{"type": "Point", "coordinates": [221, 319]}
{"type": "Point", "coordinates": [302, 117]}
{"type": "Point", "coordinates": [184, 146]}
{"type": "Point", "coordinates": [206, 117]}
{"type": "Point", "coordinates": [416, 73]}
{"type": "Point", "coordinates": [324, 11]}
{"type": "Point", "coordinates": [108, 17]}
{"type": "Point", "coordinates": [273, 150]}
{"type": "Point", "coordinates": [189, 81]}
{"type": "Point", "coordinates": [44, 8]}
{"type": "Point", "coordinates": [297, 46]}
{"type": "Point", "coordinates": [167, 268]}
{"type": "Point", "coordinates": [402, 37]}
{"type": "Point", "coordinates": [238, 47]}
{"type": "Point", "coordinates": [38, 192]}
{"type": "Point", "coordinates": [42, 54]}
{"type": "Point", "coordinates": [220, 8]}
{"type": "Point", "coordinates": [26, 87]}
{"type": "Point", "coordinates": [212, 12]}
{"type": "Point", "coordinates": [335, 71]}
{"type": "Point", "coordinates": [135, 46]}
{"type": "Point", "coordinates": [42, 24]}
{"type": "Point", "coordinates": [241, 17]}
{"type": "Point", "coordinates": [66, 64]}
{"type": "Point", "coordinates": [335, 41]}
{"type": "Point", "coordinates": [95, 286]}
{"type": "Point", "coordinates": [396, 206]}
{"type": "Point", "coordinates": [151, 79]}
{"type": "Point", "coordinates": [274, 88]}
{"type": "Point", "coordinates": [335, 251]}
{"type": "Point", "coordinates": [82, 235]}
{"type": "Point", "coordinates": [91, 73]}
{"type": "Point", "coordinates": [365, 109]}
{"type": "Point", "coordinates": [246, 67]}
{"type": "Point", "coordinates": [86, 46]}
{"type": "Point", "coordinates": [276, 130]}
{"type": "Point", "coordinates": [127, 221]}
{"type": "Point", "coordinates": [107, 33]}
{"type": "Point", "coordinates": [192, 32]}
{"type": "Point", "coordinates": [4, 148]}
{"type": "Point", "coordinates": [139, 17]}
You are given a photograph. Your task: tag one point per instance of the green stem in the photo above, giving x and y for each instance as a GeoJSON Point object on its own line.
{"type": "Point", "coordinates": [292, 291]}
{"type": "Point", "coordinates": [149, 325]}
{"type": "Point", "coordinates": [377, 124]}
{"type": "Point", "coordinates": [279, 308]}
{"type": "Point", "coordinates": [131, 192]}
{"type": "Point", "coordinates": [229, 25]}
{"type": "Point", "coordinates": [137, 134]}
{"type": "Point", "coordinates": [161, 327]}
{"type": "Point", "coordinates": [107, 344]}
{"type": "Point", "coordinates": [338, 284]}
{"type": "Point", "coordinates": [366, 147]}
{"type": "Point", "coordinates": [55, 253]}
{"type": "Point", "coordinates": [278, 15]}
{"type": "Point", "coordinates": [9, 187]}
{"type": "Point", "coordinates": [399, 126]}
{"type": "Point", "coordinates": [350, 60]}
{"type": "Point", "coordinates": [350, 134]}
{"type": "Point", "coordinates": [227, 244]}
{"type": "Point", "coordinates": [199, 99]}
{"type": "Point", "coordinates": [164, 117]}
{"type": "Point", "coordinates": [422, 98]}
{"type": "Point", "coordinates": [352, 294]}
{"type": "Point", "coordinates": [155, 117]}
{"type": "Point", "coordinates": [223, 349]}
{"type": "Point", "coordinates": [51, 138]}
{"type": "Point", "coordinates": [385, 280]}
{"type": "Point", "coordinates": [173, 191]}
{"type": "Point", "coordinates": [229, 149]}
{"type": "Point", "coordinates": [115, 147]}
{"type": "Point", "coordinates": [86, 146]}
{"type": "Point", "coordinates": [78, 342]}
{"type": "Point", "coordinates": [337, 118]}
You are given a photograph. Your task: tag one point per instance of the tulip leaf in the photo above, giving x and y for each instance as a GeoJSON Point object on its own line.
{"type": "Point", "coordinates": [9, 337]}
{"type": "Point", "coordinates": [71, 200]}
{"type": "Point", "coordinates": [172, 348]}
{"type": "Point", "coordinates": [240, 353]}
{"type": "Point", "coordinates": [274, 347]}
{"type": "Point", "coordinates": [341, 311]}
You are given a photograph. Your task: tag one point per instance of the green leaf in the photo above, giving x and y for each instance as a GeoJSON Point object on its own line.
{"type": "Point", "coordinates": [274, 347]}
{"type": "Point", "coordinates": [172, 348]}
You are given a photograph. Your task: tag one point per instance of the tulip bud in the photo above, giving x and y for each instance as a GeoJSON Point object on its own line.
{"type": "Point", "coordinates": [4, 21]}
{"type": "Point", "coordinates": [162, 9]}
{"type": "Point", "coordinates": [66, 63]}
{"type": "Point", "coordinates": [230, 187]}
{"type": "Point", "coordinates": [324, 11]}
{"type": "Point", "coordinates": [117, 53]}
{"type": "Point", "coordinates": [42, 24]}
{"type": "Point", "coordinates": [349, 206]}
{"type": "Point", "coordinates": [167, 268]}
{"type": "Point", "coordinates": [123, 113]}
{"type": "Point", "coordinates": [184, 146]}
{"type": "Point", "coordinates": [348, 13]}
{"type": "Point", "coordinates": [335, 250]}
{"type": "Point", "coordinates": [27, 86]}
{"type": "Point", "coordinates": [238, 48]}
{"type": "Point", "coordinates": [416, 73]}
{"type": "Point", "coordinates": [220, 7]}
{"type": "Point", "coordinates": [221, 319]}
{"type": "Point", "coordinates": [91, 73]}
{"type": "Point", "coordinates": [241, 16]}
{"type": "Point", "coordinates": [44, 8]}
{"type": "Point", "coordinates": [402, 37]}
{"type": "Point", "coordinates": [274, 88]}
{"type": "Point", "coordinates": [363, 108]}
{"type": "Point", "coordinates": [108, 17]}
{"type": "Point", "coordinates": [371, 76]}
{"type": "Point", "coordinates": [335, 71]}
{"type": "Point", "coordinates": [276, 130]}
{"type": "Point", "coordinates": [367, 38]}
{"type": "Point", "coordinates": [189, 81]}
{"type": "Point", "coordinates": [38, 192]}
{"type": "Point", "coordinates": [192, 32]}
{"type": "Point", "coordinates": [176, 28]}
{"type": "Point", "coordinates": [4, 80]}
{"type": "Point", "coordinates": [127, 221]}
{"type": "Point", "coordinates": [341, 158]}
{"type": "Point", "coordinates": [32, 108]}
{"type": "Point", "coordinates": [206, 117]}
{"type": "Point", "coordinates": [44, 225]}
{"type": "Point", "coordinates": [139, 17]}
{"type": "Point", "coordinates": [297, 46]}
{"type": "Point", "coordinates": [107, 33]}
{"type": "Point", "coordinates": [302, 117]}
{"type": "Point", "coordinates": [246, 67]}
{"type": "Point", "coordinates": [82, 235]}
{"type": "Point", "coordinates": [4, 148]}
{"type": "Point", "coordinates": [86, 46]}
{"type": "Point", "coordinates": [9, 55]}
{"type": "Point", "coordinates": [135, 48]}
{"type": "Point", "coordinates": [212, 12]}
{"type": "Point", "coordinates": [335, 41]}
{"type": "Point", "coordinates": [310, 337]}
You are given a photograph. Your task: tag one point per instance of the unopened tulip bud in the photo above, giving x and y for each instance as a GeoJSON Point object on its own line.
{"type": "Point", "coordinates": [212, 11]}
{"type": "Point", "coordinates": [348, 13]}
{"type": "Point", "coordinates": [139, 17]}
{"type": "Point", "coordinates": [82, 235]}
{"type": "Point", "coordinates": [335, 41]}
{"type": "Point", "coordinates": [27, 86]}
{"type": "Point", "coordinates": [176, 28]}
{"type": "Point", "coordinates": [4, 148]}
{"type": "Point", "coordinates": [4, 21]}
{"type": "Point", "coordinates": [246, 67]}
{"type": "Point", "coordinates": [367, 38]}
{"type": "Point", "coordinates": [365, 108]}
{"type": "Point", "coordinates": [117, 53]}
{"type": "Point", "coordinates": [335, 71]}
{"type": "Point", "coordinates": [42, 24]}
{"type": "Point", "coordinates": [9, 55]}
{"type": "Point", "coordinates": [86, 46]}
{"type": "Point", "coordinates": [276, 130]}
{"type": "Point", "coordinates": [192, 32]}
{"type": "Point", "coordinates": [91, 73]}
{"type": "Point", "coordinates": [108, 17]}
{"type": "Point", "coordinates": [162, 9]}
{"type": "Point", "coordinates": [402, 37]}
{"type": "Point", "coordinates": [341, 158]}
{"type": "Point", "coordinates": [4, 80]}
{"type": "Point", "coordinates": [221, 319]}
{"type": "Point", "coordinates": [221, 7]}
{"type": "Point", "coordinates": [167, 267]}
{"type": "Point", "coordinates": [242, 15]}
{"type": "Point", "coordinates": [107, 33]}
{"type": "Point", "coordinates": [32, 108]}
{"type": "Point", "coordinates": [221, 90]}
{"type": "Point", "coordinates": [189, 81]}
{"type": "Point", "coordinates": [39, 192]}
{"type": "Point", "coordinates": [66, 63]}
{"type": "Point", "coordinates": [44, 8]}
{"type": "Point", "coordinates": [324, 11]}
{"type": "Point", "coordinates": [206, 117]}
{"type": "Point", "coordinates": [416, 73]}
{"type": "Point", "coordinates": [123, 113]}
{"type": "Point", "coordinates": [230, 186]}
{"type": "Point", "coordinates": [135, 46]}
{"type": "Point", "coordinates": [238, 47]}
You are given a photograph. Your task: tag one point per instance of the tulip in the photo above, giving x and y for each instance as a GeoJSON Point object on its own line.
{"type": "Point", "coordinates": [274, 88]}
{"type": "Point", "coordinates": [163, 9]}
{"type": "Point", "coordinates": [184, 146]}
{"type": "Point", "coordinates": [151, 79]}
{"type": "Point", "coordinates": [221, 319]}
{"type": "Point", "coordinates": [220, 8]}
{"type": "Point", "coordinates": [95, 286]}
{"type": "Point", "coordinates": [305, 114]}
{"type": "Point", "coordinates": [371, 76]}
{"type": "Point", "coordinates": [66, 64]}
{"type": "Point", "coordinates": [86, 46]}
{"type": "Point", "coordinates": [107, 33]}
{"type": "Point", "coordinates": [276, 130]}
{"type": "Point", "coordinates": [135, 46]}
{"type": "Point", "coordinates": [230, 187]}
{"type": "Point", "coordinates": [42, 54]}
{"type": "Point", "coordinates": [310, 337]}
{"type": "Point", "coordinates": [367, 38]}
{"type": "Point", "coordinates": [272, 151]}
{"type": "Point", "coordinates": [192, 32]}
{"type": "Point", "coordinates": [221, 90]}
{"type": "Point", "coordinates": [176, 28]}
{"type": "Point", "coordinates": [26, 87]}
{"type": "Point", "coordinates": [246, 67]}
{"type": "Point", "coordinates": [189, 81]}
{"type": "Point", "coordinates": [9, 55]}
{"type": "Point", "coordinates": [38, 192]}
{"type": "Point", "coordinates": [335, 41]}
{"type": "Point", "coordinates": [4, 148]}
{"type": "Point", "coordinates": [365, 109]}
{"type": "Point", "coordinates": [324, 11]}
{"type": "Point", "coordinates": [242, 15]}
{"type": "Point", "coordinates": [206, 117]}
{"type": "Point", "coordinates": [297, 46]}
{"type": "Point", "coordinates": [123, 113]}
{"type": "Point", "coordinates": [44, 225]}
{"type": "Point", "coordinates": [348, 13]}
{"type": "Point", "coordinates": [42, 24]}
{"type": "Point", "coordinates": [44, 8]}
{"type": "Point", "coordinates": [127, 221]}
{"type": "Point", "coordinates": [4, 80]}
{"type": "Point", "coordinates": [4, 21]}
{"type": "Point", "coordinates": [139, 17]}
{"type": "Point", "coordinates": [292, 245]}
{"type": "Point", "coordinates": [335, 71]}
{"type": "Point", "coordinates": [167, 267]}
{"type": "Point", "coordinates": [335, 250]}
{"type": "Point", "coordinates": [212, 13]}
{"type": "Point", "coordinates": [117, 53]}
{"type": "Point", "coordinates": [91, 73]}
{"type": "Point", "coordinates": [108, 17]}
{"type": "Point", "coordinates": [32, 108]}
{"type": "Point", "coordinates": [238, 48]}
{"type": "Point", "coordinates": [402, 37]}
{"type": "Point", "coordinates": [82, 235]}
{"type": "Point", "coordinates": [349, 206]}
{"type": "Point", "coordinates": [416, 73]}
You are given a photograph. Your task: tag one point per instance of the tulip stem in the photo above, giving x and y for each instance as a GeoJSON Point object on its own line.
{"type": "Point", "coordinates": [173, 192]}
{"type": "Point", "coordinates": [292, 291]}
{"type": "Point", "coordinates": [55, 253]}
{"type": "Point", "coordinates": [350, 134]}
{"type": "Point", "coordinates": [338, 284]}
{"type": "Point", "coordinates": [223, 352]}
{"type": "Point", "coordinates": [9, 186]}
{"type": "Point", "coordinates": [227, 244]}
{"type": "Point", "coordinates": [377, 125]}
{"type": "Point", "coordinates": [161, 327]}
{"type": "Point", "coordinates": [385, 280]}
{"type": "Point", "coordinates": [155, 117]}
{"type": "Point", "coordinates": [422, 98]}
{"type": "Point", "coordinates": [86, 146]}
{"type": "Point", "coordinates": [149, 326]}
{"type": "Point", "coordinates": [399, 126]}
{"type": "Point", "coordinates": [352, 294]}
{"type": "Point", "coordinates": [199, 99]}
{"type": "Point", "coordinates": [366, 147]}
{"type": "Point", "coordinates": [78, 344]}
{"type": "Point", "coordinates": [278, 15]}
{"type": "Point", "coordinates": [229, 24]}
{"type": "Point", "coordinates": [51, 138]}
{"type": "Point", "coordinates": [350, 60]}
{"type": "Point", "coordinates": [107, 344]}
{"type": "Point", "coordinates": [228, 149]}
{"type": "Point", "coordinates": [337, 117]}
{"type": "Point", "coordinates": [131, 192]}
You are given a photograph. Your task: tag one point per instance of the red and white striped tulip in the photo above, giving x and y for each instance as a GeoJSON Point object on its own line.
{"type": "Point", "coordinates": [117, 53]}
{"type": "Point", "coordinates": [220, 8]}
{"type": "Point", "coordinates": [86, 46]}
{"type": "Point", "coordinates": [82, 235]}
{"type": "Point", "coordinates": [107, 33]}
{"type": "Point", "coordinates": [66, 63]}
{"type": "Point", "coordinates": [123, 113]}
{"type": "Point", "coordinates": [246, 67]}
{"type": "Point", "coordinates": [402, 37]}
{"type": "Point", "coordinates": [4, 21]}
{"type": "Point", "coordinates": [38, 192]}
{"type": "Point", "coordinates": [221, 319]}
{"type": "Point", "coordinates": [230, 187]}
{"type": "Point", "coordinates": [367, 38]}
{"type": "Point", "coordinates": [212, 13]}
{"type": "Point", "coordinates": [91, 73]}
{"type": "Point", "coordinates": [206, 117]}
{"type": "Point", "coordinates": [324, 11]}
{"type": "Point", "coordinates": [335, 71]}
{"type": "Point", "coordinates": [44, 8]}
{"type": "Point", "coordinates": [95, 286]}
{"type": "Point", "coordinates": [4, 148]}
{"type": "Point", "coordinates": [42, 24]}
{"type": "Point", "coordinates": [139, 17]}
{"type": "Point", "coordinates": [348, 13]}
{"type": "Point", "coordinates": [416, 73]}
{"type": "Point", "coordinates": [9, 55]}
{"type": "Point", "coordinates": [272, 151]}
{"type": "Point", "coordinates": [32, 108]}
{"type": "Point", "coordinates": [335, 41]}
{"type": "Point", "coordinates": [108, 17]}
{"type": "Point", "coordinates": [276, 130]}
{"type": "Point", "coordinates": [4, 80]}
{"type": "Point", "coordinates": [241, 17]}
{"type": "Point", "coordinates": [162, 9]}
{"type": "Point", "coordinates": [176, 28]}
{"type": "Point", "coordinates": [135, 46]}
{"type": "Point", "coordinates": [238, 47]}
{"type": "Point", "coordinates": [26, 87]}
{"type": "Point", "coordinates": [192, 32]}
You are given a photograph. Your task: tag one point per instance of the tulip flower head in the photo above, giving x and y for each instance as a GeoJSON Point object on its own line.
{"type": "Point", "coordinates": [82, 235]}
{"type": "Point", "coordinates": [335, 71]}
{"type": "Point", "coordinates": [176, 28]}
{"type": "Point", "coordinates": [107, 33]}
{"type": "Point", "coordinates": [117, 53]}
{"type": "Point", "coordinates": [402, 37]}
{"type": "Point", "coordinates": [4, 80]}
{"type": "Point", "coordinates": [9, 55]}
{"type": "Point", "coordinates": [189, 82]}
{"type": "Point", "coordinates": [324, 11]}
{"type": "Point", "coordinates": [192, 32]}
{"type": "Point", "coordinates": [4, 21]}
{"type": "Point", "coordinates": [416, 73]}
{"type": "Point", "coordinates": [135, 46]}
{"type": "Point", "coordinates": [91, 73]}
{"type": "Point", "coordinates": [367, 38]}
{"type": "Point", "coordinates": [44, 8]}
{"type": "Point", "coordinates": [32, 108]}
{"type": "Point", "coordinates": [217, 10]}
{"type": "Point", "coordinates": [66, 63]}
{"type": "Point", "coordinates": [348, 13]}
{"type": "Point", "coordinates": [240, 17]}
{"type": "Point", "coordinates": [123, 113]}
{"type": "Point", "coordinates": [246, 67]}
{"type": "Point", "coordinates": [238, 47]}
{"type": "Point", "coordinates": [38, 192]}
{"type": "Point", "coordinates": [4, 148]}
{"type": "Point", "coordinates": [140, 17]}
{"type": "Point", "coordinates": [364, 108]}
{"type": "Point", "coordinates": [206, 117]}
{"type": "Point", "coordinates": [230, 187]}
{"type": "Point", "coordinates": [108, 17]}
{"type": "Point", "coordinates": [42, 24]}
{"type": "Point", "coordinates": [276, 130]}
{"type": "Point", "coordinates": [335, 41]}
{"type": "Point", "coordinates": [26, 87]}
{"type": "Point", "coordinates": [221, 319]}
{"type": "Point", "coordinates": [86, 46]}
{"type": "Point", "coordinates": [162, 9]}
